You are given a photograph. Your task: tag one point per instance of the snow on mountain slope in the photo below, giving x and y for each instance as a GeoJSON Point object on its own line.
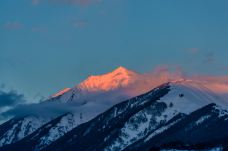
{"type": "Point", "coordinates": [185, 96]}
{"type": "Point", "coordinates": [108, 122]}
{"type": "Point", "coordinates": [99, 85]}
{"type": "Point", "coordinates": [103, 91]}
{"type": "Point", "coordinates": [90, 98]}
{"type": "Point", "coordinates": [143, 116]}
{"type": "Point", "coordinates": [97, 93]}
{"type": "Point", "coordinates": [67, 123]}
{"type": "Point", "coordinates": [122, 84]}
{"type": "Point", "coordinates": [48, 133]}
{"type": "Point", "coordinates": [17, 128]}
{"type": "Point", "coordinates": [201, 130]}
{"type": "Point", "coordinates": [44, 135]}
{"type": "Point", "coordinates": [138, 102]}
{"type": "Point", "coordinates": [195, 94]}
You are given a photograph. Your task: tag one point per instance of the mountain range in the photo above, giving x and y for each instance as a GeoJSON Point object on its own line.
{"type": "Point", "coordinates": [114, 113]}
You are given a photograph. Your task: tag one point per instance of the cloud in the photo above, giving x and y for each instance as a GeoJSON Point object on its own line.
{"type": "Point", "coordinates": [160, 75]}
{"type": "Point", "coordinates": [193, 50]}
{"type": "Point", "coordinates": [209, 58]}
{"type": "Point", "coordinates": [46, 109]}
{"type": "Point", "coordinates": [218, 84]}
{"type": "Point", "coordinates": [11, 98]}
{"type": "Point", "coordinates": [53, 109]}
{"type": "Point", "coordinates": [13, 25]}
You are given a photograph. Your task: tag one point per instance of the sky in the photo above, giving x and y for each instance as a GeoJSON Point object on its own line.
{"type": "Point", "coordinates": [47, 45]}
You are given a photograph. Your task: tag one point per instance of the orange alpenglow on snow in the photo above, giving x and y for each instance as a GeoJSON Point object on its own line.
{"type": "Point", "coordinates": [121, 77]}
{"type": "Point", "coordinates": [61, 92]}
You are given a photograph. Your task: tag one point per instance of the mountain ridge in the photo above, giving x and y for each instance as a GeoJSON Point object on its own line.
{"type": "Point", "coordinates": [183, 97]}
{"type": "Point", "coordinates": [124, 135]}
{"type": "Point", "coordinates": [126, 123]}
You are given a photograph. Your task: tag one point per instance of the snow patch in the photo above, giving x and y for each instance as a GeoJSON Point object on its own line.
{"type": "Point", "coordinates": [221, 111]}
{"type": "Point", "coordinates": [160, 130]}
{"type": "Point", "coordinates": [202, 119]}
{"type": "Point", "coordinates": [66, 124]}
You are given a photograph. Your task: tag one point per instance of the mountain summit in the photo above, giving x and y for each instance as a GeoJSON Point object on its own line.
{"type": "Point", "coordinates": [101, 86]}
{"type": "Point", "coordinates": [120, 77]}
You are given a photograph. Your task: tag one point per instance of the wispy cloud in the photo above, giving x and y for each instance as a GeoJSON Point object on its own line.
{"type": "Point", "coordinates": [50, 109]}
{"type": "Point", "coordinates": [13, 25]}
{"type": "Point", "coordinates": [209, 58]}
{"type": "Point", "coordinates": [193, 50]}
{"type": "Point", "coordinates": [11, 98]}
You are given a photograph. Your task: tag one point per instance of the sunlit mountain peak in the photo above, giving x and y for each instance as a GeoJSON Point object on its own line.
{"type": "Point", "coordinates": [119, 77]}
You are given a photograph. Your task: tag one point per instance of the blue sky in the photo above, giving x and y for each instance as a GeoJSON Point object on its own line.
{"type": "Point", "coordinates": [46, 45]}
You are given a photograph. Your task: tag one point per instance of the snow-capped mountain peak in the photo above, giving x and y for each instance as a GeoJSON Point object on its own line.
{"type": "Point", "coordinates": [100, 87]}
{"type": "Point", "coordinates": [120, 77]}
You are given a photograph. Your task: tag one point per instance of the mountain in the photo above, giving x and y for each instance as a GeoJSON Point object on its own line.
{"type": "Point", "coordinates": [100, 92]}
{"type": "Point", "coordinates": [171, 113]}
{"type": "Point", "coordinates": [120, 77]}
{"type": "Point", "coordinates": [114, 111]}
{"type": "Point", "coordinates": [96, 87]}
{"type": "Point", "coordinates": [175, 111]}
{"type": "Point", "coordinates": [125, 126]}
